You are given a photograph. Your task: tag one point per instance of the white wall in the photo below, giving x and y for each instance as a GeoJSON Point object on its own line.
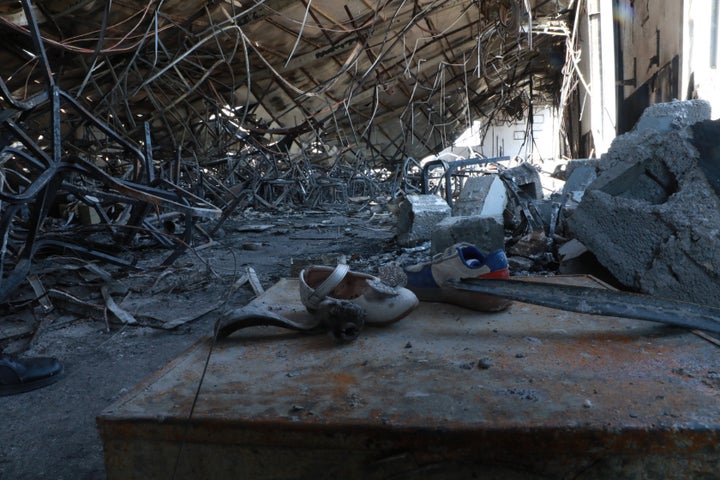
{"type": "Point", "coordinates": [597, 67]}
{"type": "Point", "coordinates": [701, 29]}
{"type": "Point", "coordinates": [508, 137]}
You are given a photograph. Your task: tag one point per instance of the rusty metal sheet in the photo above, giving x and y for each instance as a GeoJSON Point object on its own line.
{"type": "Point", "coordinates": [527, 392]}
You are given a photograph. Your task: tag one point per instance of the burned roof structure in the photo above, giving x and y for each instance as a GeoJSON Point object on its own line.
{"type": "Point", "coordinates": [385, 79]}
{"type": "Point", "coordinates": [130, 108]}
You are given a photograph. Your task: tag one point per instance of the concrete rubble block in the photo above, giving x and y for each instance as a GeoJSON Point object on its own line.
{"type": "Point", "coordinates": [580, 177]}
{"type": "Point", "coordinates": [571, 250]}
{"type": "Point", "coordinates": [527, 178]}
{"type": "Point", "coordinates": [565, 170]}
{"type": "Point", "coordinates": [417, 217]}
{"type": "Point", "coordinates": [520, 264]}
{"type": "Point", "coordinates": [483, 196]}
{"type": "Point", "coordinates": [652, 217]}
{"type": "Point", "coordinates": [484, 232]}
{"type": "Point", "coordinates": [548, 207]}
{"type": "Point", "coordinates": [643, 140]}
{"type": "Point", "coordinates": [530, 245]}
{"type": "Point", "coordinates": [705, 139]}
{"type": "Point", "coordinates": [576, 259]}
{"type": "Point", "coordinates": [675, 115]}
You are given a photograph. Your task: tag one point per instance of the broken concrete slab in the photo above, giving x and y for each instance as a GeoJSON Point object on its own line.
{"type": "Point", "coordinates": [417, 217]}
{"type": "Point", "coordinates": [705, 139]}
{"type": "Point", "coordinates": [571, 250]}
{"type": "Point", "coordinates": [580, 177]}
{"type": "Point", "coordinates": [564, 170]}
{"type": "Point", "coordinates": [483, 196]}
{"type": "Point", "coordinates": [652, 217]}
{"type": "Point", "coordinates": [675, 115]}
{"type": "Point", "coordinates": [625, 147]}
{"type": "Point", "coordinates": [527, 178]}
{"type": "Point", "coordinates": [576, 259]}
{"type": "Point", "coordinates": [485, 233]}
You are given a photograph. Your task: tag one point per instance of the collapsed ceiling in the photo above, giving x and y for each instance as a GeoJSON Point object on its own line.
{"type": "Point", "coordinates": [175, 107]}
{"type": "Point", "coordinates": [381, 80]}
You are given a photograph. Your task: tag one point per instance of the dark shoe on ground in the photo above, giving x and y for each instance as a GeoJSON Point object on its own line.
{"type": "Point", "coordinates": [23, 375]}
{"type": "Point", "coordinates": [460, 261]}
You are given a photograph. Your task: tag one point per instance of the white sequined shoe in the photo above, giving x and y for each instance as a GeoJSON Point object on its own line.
{"type": "Point", "coordinates": [382, 303]}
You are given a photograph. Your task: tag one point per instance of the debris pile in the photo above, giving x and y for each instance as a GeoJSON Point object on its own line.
{"type": "Point", "coordinates": [652, 216]}
{"type": "Point", "coordinates": [135, 124]}
{"type": "Point", "coordinates": [646, 216]}
{"type": "Point", "coordinates": [502, 208]}
{"type": "Point", "coordinates": [84, 175]}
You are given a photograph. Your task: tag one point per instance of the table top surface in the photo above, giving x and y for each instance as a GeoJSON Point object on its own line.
{"type": "Point", "coordinates": [443, 367]}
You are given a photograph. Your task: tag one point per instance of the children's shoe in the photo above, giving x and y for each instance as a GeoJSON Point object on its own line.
{"type": "Point", "coordinates": [381, 303]}
{"type": "Point", "coordinates": [462, 260]}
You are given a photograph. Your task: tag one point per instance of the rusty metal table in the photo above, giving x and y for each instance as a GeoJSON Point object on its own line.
{"type": "Point", "coordinates": [445, 393]}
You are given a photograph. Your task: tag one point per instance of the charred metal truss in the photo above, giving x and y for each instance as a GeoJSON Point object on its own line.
{"type": "Point", "coordinates": [144, 114]}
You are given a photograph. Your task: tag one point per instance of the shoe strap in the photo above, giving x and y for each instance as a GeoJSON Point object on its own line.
{"type": "Point", "coordinates": [329, 284]}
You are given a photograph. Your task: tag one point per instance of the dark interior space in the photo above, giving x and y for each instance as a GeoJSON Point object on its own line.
{"type": "Point", "coordinates": [373, 240]}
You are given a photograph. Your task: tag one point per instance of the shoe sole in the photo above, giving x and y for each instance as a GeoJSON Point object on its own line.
{"type": "Point", "coordinates": [14, 389]}
{"type": "Point", "coordinates": [462, 298]}
{"type": "Point", "coordinates": [394, 319]}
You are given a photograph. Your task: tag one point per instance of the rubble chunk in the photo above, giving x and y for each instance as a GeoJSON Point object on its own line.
{"type": "Point", "coordinates": [483, 196]}
{"type": "Point", "coordinates": [527, 178]}
{"type": "Point", "coordinates": [676, 115]}
{"type": "Point", "coordinates": [486, 233]}
{"type": "Point", "coordinates": [652, 217]}
{"type": "Point", "coordinates": [530, 245]}
{"type": "Point", "coordinates": [705, 139]}
{"type": "Point", "coordinates": [417, 217]}
{"type": "Point", "coordinates": [580, 177]}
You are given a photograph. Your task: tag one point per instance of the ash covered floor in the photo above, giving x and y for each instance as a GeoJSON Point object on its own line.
{"type": "Point", "coordinates": [51, 432]}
